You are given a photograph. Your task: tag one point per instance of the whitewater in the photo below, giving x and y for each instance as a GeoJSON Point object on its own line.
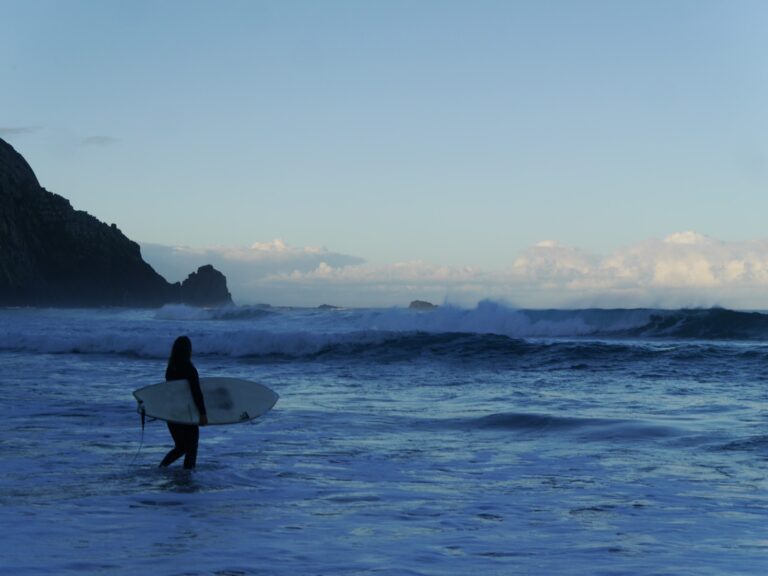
{"type": "Point", "coordinates": [488, 440]}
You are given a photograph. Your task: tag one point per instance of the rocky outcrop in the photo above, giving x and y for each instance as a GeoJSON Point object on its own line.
{"type": "Point", "coordinates": [54, 255]}
{"type": "Point", "coordinates": [206, 287]}
{"type": "Point", "coordinates": [422, 305]}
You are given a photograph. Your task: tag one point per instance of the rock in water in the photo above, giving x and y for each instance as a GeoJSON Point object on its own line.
{"type": "Point", "coordinates": [206, 287]}
{"type": "Point", "coordinates": [421, 305]}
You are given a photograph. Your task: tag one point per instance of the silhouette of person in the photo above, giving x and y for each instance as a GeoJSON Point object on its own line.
{"type": "Point", "coordinates": [185, 436]}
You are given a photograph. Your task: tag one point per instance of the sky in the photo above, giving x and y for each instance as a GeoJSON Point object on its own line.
{"type": "Point", "coordinates": [542, 153]}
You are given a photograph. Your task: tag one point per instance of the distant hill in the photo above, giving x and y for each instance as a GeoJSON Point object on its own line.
{"type": "Point", "coordinates": [54, 255]}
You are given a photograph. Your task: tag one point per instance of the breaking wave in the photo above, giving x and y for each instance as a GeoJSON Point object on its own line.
{"type": "Point", "coordinates": [488, 332]}
{"type": "Point", "coordinates": [585, 428]}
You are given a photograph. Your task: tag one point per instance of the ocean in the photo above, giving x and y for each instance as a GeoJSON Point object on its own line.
{"type": "Point", "coordinates": [442, 442]}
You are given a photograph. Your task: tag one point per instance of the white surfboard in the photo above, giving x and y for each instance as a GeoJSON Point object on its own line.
{"type": "Point", "coordinates": [227, 400]}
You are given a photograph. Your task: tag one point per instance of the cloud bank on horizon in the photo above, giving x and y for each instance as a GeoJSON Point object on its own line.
{"type": "Point", "coordinates": [682, 269]}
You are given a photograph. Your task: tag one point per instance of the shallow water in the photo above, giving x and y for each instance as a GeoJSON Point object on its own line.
{"type": "Point", "coordinates": [391, 451]}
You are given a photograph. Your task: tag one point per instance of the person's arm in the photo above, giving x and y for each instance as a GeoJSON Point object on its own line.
{"type": "Point", "coordinates": [197, 395]}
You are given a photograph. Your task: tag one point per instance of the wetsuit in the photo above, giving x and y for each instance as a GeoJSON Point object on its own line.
{"type": "Point", "coordinates": [185, 436]}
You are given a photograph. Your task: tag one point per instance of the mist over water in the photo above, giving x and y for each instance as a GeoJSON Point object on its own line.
{"type": "Point", "coordinates": [449, 441]}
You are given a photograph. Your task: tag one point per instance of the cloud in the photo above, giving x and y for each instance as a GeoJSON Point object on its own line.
{"type": "Point", "coordinates": [398, 273]}
{"type": "Point", "coordinates": [683, 269]}
{"type": "Point", "coordinates": [17, 130]}
{"type": "Point", "coordinates": [276, 251]}
{"type": "Point", "coordinates": [246, 268]}
{"type": "Point", "coordinates": [552, 263]}
{"type": "Point", "coordinates": [380, 285]}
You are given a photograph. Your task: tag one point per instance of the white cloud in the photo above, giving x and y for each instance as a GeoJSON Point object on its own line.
{"type": "Point", "coordinates": [381, 285]}
{"type": "Point", "coordinates": [273, 251]}
{"type": "Point", "coordinates": [690, 260]}
{"type": "Point", "coordinates": [689, 238]}
{"type": "Point", "coordinates": [277, 246]}
{"type": "Point", "coordinates": [246, 268]}
{"type": "Point", "coordinates": [683, 269]}
{"type": "Point", "coordinates": [398, 273]}
{"type": "Point", "coordinates": [552, 262]}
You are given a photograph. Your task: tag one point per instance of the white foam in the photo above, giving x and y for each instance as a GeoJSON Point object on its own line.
{"type": "Point", "coordinates": [257, 331]}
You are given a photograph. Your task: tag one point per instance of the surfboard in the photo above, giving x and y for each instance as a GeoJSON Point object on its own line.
{"type": "Point", "coordinates": [227, 400]}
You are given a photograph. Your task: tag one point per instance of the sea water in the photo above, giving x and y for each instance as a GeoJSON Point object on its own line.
{"type": "Point", "coordinates": [449, 441]}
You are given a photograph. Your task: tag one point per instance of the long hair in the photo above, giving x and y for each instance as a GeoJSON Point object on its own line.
{"type": "Point", "coordinates": [181, 353]}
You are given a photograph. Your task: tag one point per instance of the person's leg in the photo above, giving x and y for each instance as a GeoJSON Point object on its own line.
{"type": "Point", "coordinates": [192, 439]}
{"type": "Point", "coordinates": [173, 454]}
{"type": "Point", "coordinates": [178, 450]}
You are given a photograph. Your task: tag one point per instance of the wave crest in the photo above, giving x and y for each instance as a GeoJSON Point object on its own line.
{"type": "Point", "coordinates": [596, 429]}
{"type": "Point", "coordinates": [184, 312]}
{"type": "Point", "coordinates": [490, 332]}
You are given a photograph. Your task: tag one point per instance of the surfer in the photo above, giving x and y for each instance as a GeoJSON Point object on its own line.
{"type": "Point", "coordinates": [185, 436]}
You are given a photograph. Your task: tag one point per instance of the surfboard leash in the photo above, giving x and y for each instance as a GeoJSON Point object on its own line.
{"type": "Point", "coordinates": [141, 442]}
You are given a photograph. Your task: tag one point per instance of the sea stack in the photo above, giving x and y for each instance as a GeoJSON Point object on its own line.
{"type": "Point", "coordinates": [422, 305]}
{"type": "Point", "coordinates": [206, 287]}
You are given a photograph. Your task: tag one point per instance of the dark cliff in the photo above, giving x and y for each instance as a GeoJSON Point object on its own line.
{"type": "Point", "coordinates": [54, 255]}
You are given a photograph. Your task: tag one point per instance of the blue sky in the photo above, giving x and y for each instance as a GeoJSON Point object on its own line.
{"type": "Point", "coordinates": [373, 151]}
